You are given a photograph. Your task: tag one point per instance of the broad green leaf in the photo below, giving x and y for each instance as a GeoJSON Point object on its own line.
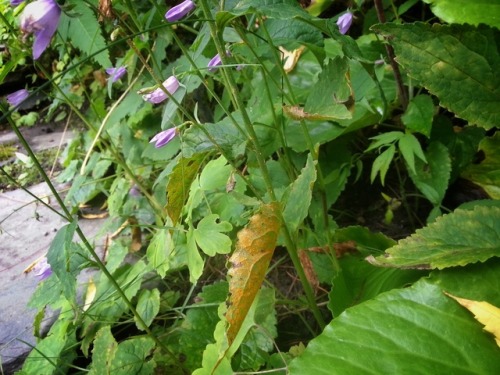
{"type": "Point", "coordinates": [46, 358]}
{"type": "Point", "coordinates": [148, 306]}
{"type": "Point", "coordinates": [215, 174]}
{"type": "Point", "coordinates": [194, 259]}
{"type": "Point", "coordinates": [103, 352]}
{"type": "Point", "coordinates": [487, 173]}
{"type": "Point", "coordinates": [465, 11]}
{"type": "Point", "coordinates": [456, 239]}
{"type": "Point", "coordinates": [180, 180]}
{"type": "Point", "coordinates": [131, 357]}
{"type": "Point", "coordinates": [419, 114]}
{"type": "Point", "coordinates": [209, 237]}
{"type": "Point", "coordinates": [299, 199]}
{"type": "Point", "coordinates": [331, 98]}
{"type": "Point", "coordinates": [409, 148]}
{"type": "Point", "coordinates": [249, 264]}
{"type": "Point", "coordinates": [84, 32]}
{"type": "Point", "coordinates": [432, 178]}
{"type": "Point", "coordinates": [416, 330]}
{"type": "Point", "coordinates": [457, 63]}
{"type": "Point", "coordinates": [63, 261]}
{"type": "Point", "coordinates": [381, 164]}
{"type": "Point", "coordinates": [159, 250]}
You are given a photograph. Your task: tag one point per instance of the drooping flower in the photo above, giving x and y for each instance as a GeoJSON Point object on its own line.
{"type": "Point", "coordinates": [17, 97]}
{"type": "Point", "coordinates": [214, 63]}
{"type": "Point", "coordinates": [179, 11]}
{"type": "Point", "coordinates": [156, 96]}
{"type": "Point", "coordinates": [344, 22]}
{"type": "Point", "coordinates": [42, 269]}
{"type": "Point", "coordinates": [15, 3]}
{"type": "Point", "coordinates": [116, 73]}
{"type": "Point", "coordinates": [40, 18]}
{"type": "Point", "coordinates": [162, 138]}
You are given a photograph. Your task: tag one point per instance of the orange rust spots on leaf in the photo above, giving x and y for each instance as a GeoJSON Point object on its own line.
{"type": "Point", "coordinates": [249, 263]}
{"type": "Point", "coordinates": [309, 270]}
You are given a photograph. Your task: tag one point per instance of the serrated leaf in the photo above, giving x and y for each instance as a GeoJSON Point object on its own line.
{"type": "Point", "coordinates": [381, 164]}
{"type": "Point", "coordinates": [432, 179]}
{"type": "Point", "coordinates": [299, 199]}
{"type": "Point", "coordinates": [418, 116]}
{"type": "Point", "coordinates": [103, 352]}
{"type": "Point", "coordinates": [180, 180]}
{"type": "Point", "coordinates": [409, 148]}
{"type": "Point", "coordinates": [384, 139]}
{"type": "Point", "coordinates": [85, 32]}
{"type": "Point", "coordinates": [158, 252]}
{"type": "Point", "coordinates": [485, 313]}
{"type": "Point", "coordinates": [456, 239]}
{"type": "Point", "coordinates": [487, 173]}
{"type": "Point", "coordinates": [148, 306]}
{"type": "Point", "coordinates": [209, 237]}
{"type": "Point", "coordinates": [457, 63]}
{"type": "Point", "coordinates": [250, 260]}
{"type": "Point", "coordinates": [131, 357]}
{"type": "Point", "coordinates": [465, 11]}
{"type": "Point", "coordinates": [63, 261]}
{"type": "Point", "coordinates": [416, 330]}
{"type": "Point", "coordinates": [332, 98]}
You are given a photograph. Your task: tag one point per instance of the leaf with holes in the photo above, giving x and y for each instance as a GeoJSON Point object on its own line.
{"type": "Point", "coordinates": [249, 264]}
{"type": "Point", "coordinates": [209, 237]}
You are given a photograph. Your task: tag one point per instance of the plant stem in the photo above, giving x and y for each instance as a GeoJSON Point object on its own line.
{"type": "Point", "coordinates": [403, 94]}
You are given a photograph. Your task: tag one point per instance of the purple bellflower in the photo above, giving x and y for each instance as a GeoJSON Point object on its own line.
{"type": "Point", "coordinates": [179, 11]}
{"type": "Point", "coordinates": [17, 97]}
{"type": "Point", "coordinates": [42, 269]}
{"type": "Point", "coordinates": [156, 96]}
{"type": "Point", "coordinates": [214, 63]}
{"type": "Point", "coordinates": [162, 138]}
{"type": "Point", "coordinates": [15, 3]}
{"type": "Point", "coordinates": [116, 73]}
{"type": "Point", "coordinates": [344, 22]}
{"type": "Point", "coordinates": [40, 18]}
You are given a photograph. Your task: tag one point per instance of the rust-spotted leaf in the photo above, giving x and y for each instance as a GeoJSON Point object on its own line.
{"type": "Point", "coordinates": [249, 263]}
{"type": "Point", "coordinates": [180, 180]}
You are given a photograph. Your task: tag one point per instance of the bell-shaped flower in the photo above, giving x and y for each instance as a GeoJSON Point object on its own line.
{"type": "Point", "coordinates": [344, 22]}
{"type": "Point", "coordinates": [42, 269]}
{"type": "Point", "coordinates": [116, 73]}
{"type": "Point", "coordinates": [179, 11]}
{"type": "Point", "coordinates": [156, 96]}
{"type": "Point", "coordinates": [162, 138]}
{"type": "Point", "coordinates": [17, 97]}
{"type": "Point", "coordinates": [40, 18]}
{"type": "Point", "coordinates": [214, 63]}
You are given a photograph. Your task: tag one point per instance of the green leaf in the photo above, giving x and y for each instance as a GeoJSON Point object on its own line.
{"type": "Point", "coordinates": [159, 250]}
{"type": "Point", "coordinates": [419, 114]}
{"type": "Point", "coordinates": [209, 237]}
{"type": "Point", "coordinates": [456, 239]}
{"type": "Point", "coordinates": [384, 139]}
{"type": "Point", "coordinates": [84, 32]}
{"type": "Point", "coordinates": [381, 164]}
{"type": "Point", "coordinates": [299, 199]}
{"type": "Point", "coordinates": [194, 259]}
{"type": "Point", "coordinates": [432, 178]}
{"type": "Point", "coordinates": [63, 261]}
{"type": "Point", "coordinates": [215, 174]}
{"type": "Point", "coordinates": [410, 147]}
{"type": "Point", "coordinates": [487, 173]}
{"type": "Point", "coordinates": [148, 306]}
{"type": "Point", "coordinates": [416, 330]}
{"type": "Point", "coordinates": [103, 352]}
{"type": "Point", "coordinates": [131, 357]}
{"type": "Point", "coordinates": [331, 98]}
{"type": "Point", "coordinates": [180, 180]}
{"type": "Point", "coordinates": [465, 11]}
{"type": "Point", "coordinates": [457, 63]}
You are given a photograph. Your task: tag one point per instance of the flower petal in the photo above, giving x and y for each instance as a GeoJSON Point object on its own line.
{"type": "Point", "coordinates": [179, 11]}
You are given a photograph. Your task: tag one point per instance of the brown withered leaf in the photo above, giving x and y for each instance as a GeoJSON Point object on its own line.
{"type": "Point", "coordinates": [249, 263]}
{"type": "Point", "coordinates": [308, 267]}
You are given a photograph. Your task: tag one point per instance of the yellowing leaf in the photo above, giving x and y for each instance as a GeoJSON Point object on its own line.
{"type": "Point", "coordinates": [90, 295]}
{"type": "Point", "coordinates": [250, 260]}
{"type": "Point", "coordinates": [485, 313]}
{"type": "Point", "coordinates": [290, 58]}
